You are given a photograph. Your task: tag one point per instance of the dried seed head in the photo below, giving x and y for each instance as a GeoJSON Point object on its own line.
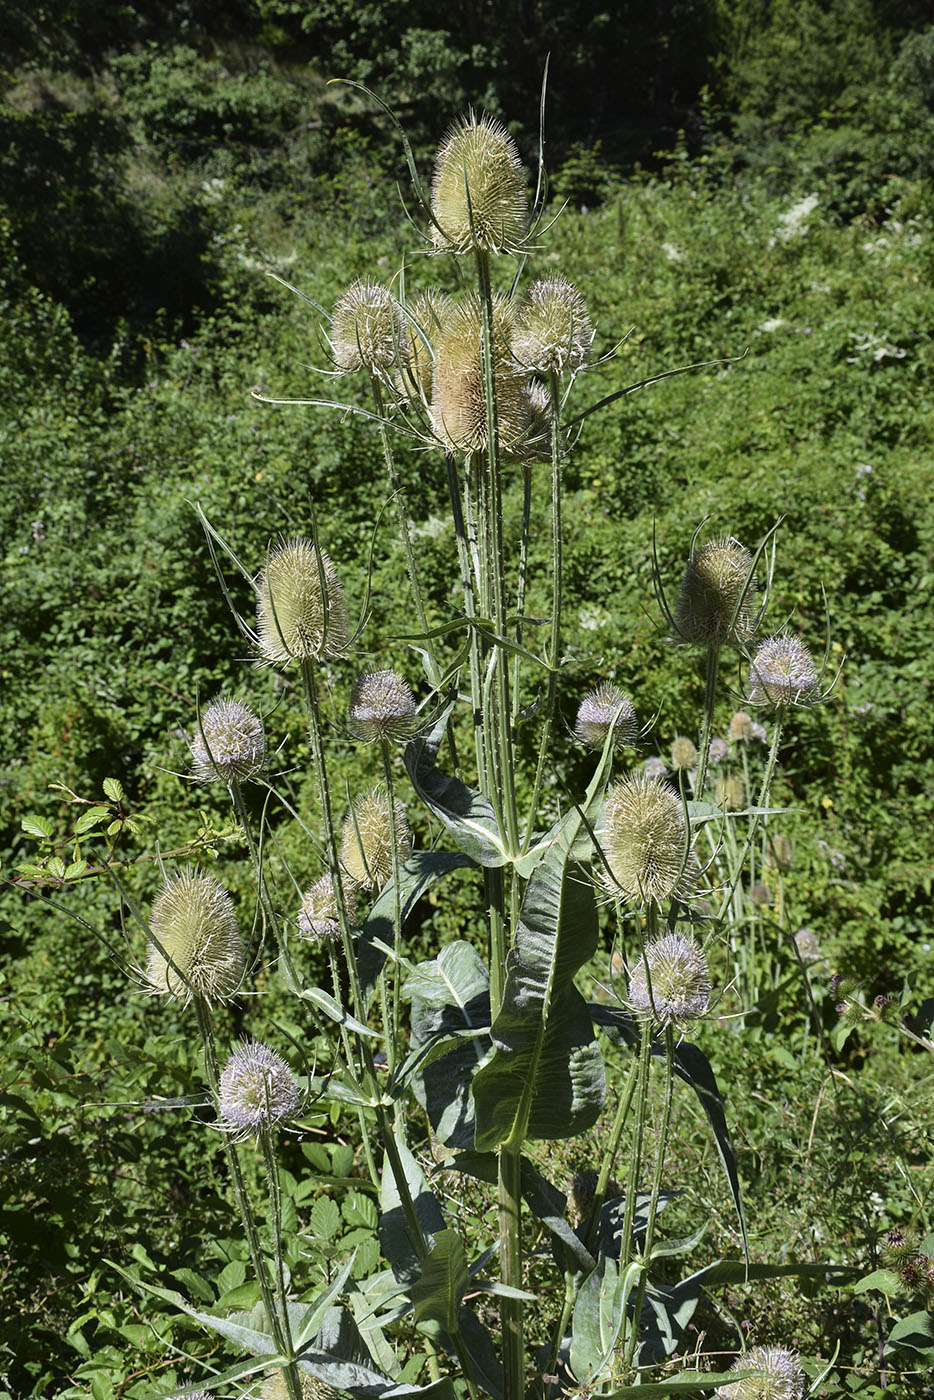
{"type": "Point", "coordinates": [317, 918]}
{"type": "Point", "coordinates": [730, 792]}
{"type": "Point", "coordinates": [367, 329]}
{"type": "Point", "coordinates": [715, 604]}
{"type": "Point", "coordinates": [202, 953]}
{"type": "Point", "coordinates": [229, 743]}
{"type": "Point", "coordinates": [427, 312]}
{"type": "Point", "coordinates": [553, 331]}
{"type": "Point", "coordinates": [300, 606]}
{"type": "Point", "coordinates": [683, 752]}
{"type": "Point", "coordinates": [256, 1090]}
{"type": "Point", "coordinates": [783, 1377]}
{"type": "Point", "coordinates": [644, 843]}
{"type": "Point", "coordinates": [366, 839]}
{"type": "Point", "coordinates": [778, 853]}
{"type": "Point", "coordinates": [582, 1193]}
{"type": "Point", "coordinates": [670, 985]}
{"type": "Point", "coordinates": [740, 730]}
{"type": "Point", "coordinates": [478, 196]}
{"type": "Point", "coordinates": [382, 706]}
{"type": "Point", "coordinates": [275, 1388]}
{"type": "Point", "coordinates": [783, 672]}
{"type": "Point", "coordinates": [604, 709]}
{"type": "Point", "coordinates": [458, 402]}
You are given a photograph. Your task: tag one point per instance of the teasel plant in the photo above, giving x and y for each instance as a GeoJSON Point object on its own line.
{"type": "Point", "coordinates": [500, 1051]}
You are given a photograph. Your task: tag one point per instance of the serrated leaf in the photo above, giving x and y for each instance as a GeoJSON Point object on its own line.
{"type": "Point", "coordinates": [90, 818]}
{"type": "Point", "coordinates": [439, 1290]}
{"type": "Point", "coordinates": [56, 868]}
{"type": "Point", "coordinates": [76, 869]}
{"type": "Point", "coordinates": [37, 826]}
{"type": "Point", "coordinates": [113, 789]}
{"type": "Point", "coordinates": [467, 814]}
{"type": "Point", "coordinates": [325, 1218]}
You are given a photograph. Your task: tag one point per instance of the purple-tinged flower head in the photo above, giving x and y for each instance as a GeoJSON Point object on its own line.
{"type": "Point", "coordinates": [782, 672]}
{"type": "Point", "coordinates": [478, 193]}
{"type": "Point", "coordinates": [683, 753]}
{"type": "Point", "coordinates": [807, 945]}
{"type": "Point", "coordinates": [553, 332]}
{"type": "Point", "coordinates": [645, 844]}
{"type": "Point", "coordinates": [608, 707]}
{"type": "Point", "coordinates": [229, 744]}
{"type": "Point", "coordinates": [367, 329]}
{"type": "Point", "coordinates": [782, 1376]}
{"type": "Point", "coordinates": [654, 769]}
{"type": "Point", "coordinates": [382, 706]}
{"type": "Point", "coordinates": [318, 920]}
{"type": "Point", "coordinates": [716, 601]}
{"type": "Point", "coordinates": [257, 1090]}
{"type": "Point", "coordinates": [367, 839]}
{"type": "Point", "coordinates": [719, 748]}
{"type": "Point", "coordinates": [835, 983]}
{"type": "Point", "coordinates": [740, 729]}
{"type": "Point", "coordinates": [670, 985]}
{"type": "Point", "coordinates": [196, 950]}
{"type": "Point", "coordinates": [300, 608]}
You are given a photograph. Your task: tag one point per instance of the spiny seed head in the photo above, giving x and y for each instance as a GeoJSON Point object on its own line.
{"type": "Point", "coordinates": [782, 1379]}
{"type": "Point", "coordinates": [317, 918]}
{"type": "Point", "coordinates": [582, 1193]}
{"type": "Point", "coordinates": [367, 329]}
{"type": "Point", "coordinates": [458, 401]}
{"type": "Point", "coordinates": [715, 604]}
{"type": "Point", "coordinates": [478, 195]}
{"type": "Point", "coordinates": [300, 608]}
{"type": "Point", "coordinates": [683, 752]}
{"type": "Point", "coordinates": [643, 839]}
{"type": "Point", "coordinates": [201, 952]}
{"type": "Point", "coordinates": [553, 331]}
{"type": "Point", "coordinates": [427, 312]}
{"type": "Point", "coordinates": [807, 945]}
{"type": "Point", "coordinates": [730, 792]}
{"type": "Point", "coordinates": [366, 839]}
{"type": "Point", "coordinates": [382, 706]}
{"type": "Point", "coordinates": [782, 672]}
{"type": "Point", "coordinates": [778, 852]}
{"type": "Point", "coordinates": [740, 730]}
{"type": "Point", "coordinates": [256, 1090]}
{"type": "Point", "coordinates": [604, 709]}
{"type": "Point", "coordinates": [719, 748]}
{"type": "Point", "coordinates": [276, 1388]}
{"type": "Point", "coordinates": [675, 986]}
{"type": "Point", "coordinates": [228, 744]}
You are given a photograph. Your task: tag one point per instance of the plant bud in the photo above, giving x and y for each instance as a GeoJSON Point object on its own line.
{"type": "Point", "coordinates": [367, 329]}
{"type": "Point", "coordinates": [553, 332]}
{"type": "Point", "coordinates": [644, 843]}
{"type": "Point", "coordinates": [366, 839]}
{"type": "Point", "coordinates": [715, 604]}
{"type": "Point", "coordinates": [683, 753]}
{"type": "Point", "coordinates": [783, 672]}
{"type": "Point", "coordinates": [229, 744]}
{"type": "Point", "coordinates": [675, 986]}
{"type": "Point", "coordinates": [382, 706]}
{"type": "Point", "coordinates": [458, 402]}
{"type": "Point", "coordinates": [604, 709]}
{"type": "Point", "coordinates": [478, 195]}
{"type": "Point", "coordinates": [194, 921]}
{"type": "Point", "coordinates": [300, 606]}
{"type": "Point", "coordinates": [256, 1091]}
{"type": "Point", "coordinates": [783, 1377]}
{"type": "Point", "coordinates": [317, 918]}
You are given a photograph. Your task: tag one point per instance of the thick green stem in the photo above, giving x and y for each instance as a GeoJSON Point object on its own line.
{"type": "Point", "coordinates": [523, 578]}
{"type": "Point", "coordinates": [394, 977]}
{"type": "Point", "coordinates": [510, 1247]}
{"type": "Point", "coordinates": [656, 1192]}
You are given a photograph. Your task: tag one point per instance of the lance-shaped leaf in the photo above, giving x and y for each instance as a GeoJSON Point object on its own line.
{"type": "Point", "coordinates": [418, 874]}
{"type": "Point", "coordinates": [394, 1233]}
{"type": "Point", "coordinates": [339, 1357]}
{"type": "Point", "coordinates": [545, 1079]}
{"type": "Point", "coordinates": [437, 1294]}
{"type": "Point", "coordinates": [466, 813]}
{"type": "Point", "coordinates": [450, 998]}
{"type": "Point", "coordinates": [600, 1316]}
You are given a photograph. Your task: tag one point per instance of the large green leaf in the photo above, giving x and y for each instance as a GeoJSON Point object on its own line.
{"type": "Point", "coordinates": [916, 1332]}
{"type": "Point", "coordinates": [439, 1291]}
{"type": "Point", "coordinates": [339, 1357]}
{"type": "Point", "coordinates": [599, 1316]}
{"type": "Point", "coordinates": [394, 1233]}
{"type": "Point", "coordinates": [466, 813]}
{"type": "Point", "coordinates": [545, 1079]}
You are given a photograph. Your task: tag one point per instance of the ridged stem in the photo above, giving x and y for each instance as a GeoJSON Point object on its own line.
{"type": "Point", "coordinates": [394, 980]}
{"type": "Point", "coordinates": [656, 1192]}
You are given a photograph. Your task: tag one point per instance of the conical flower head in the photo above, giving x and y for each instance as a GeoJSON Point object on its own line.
{"type": "Point", "coordinates": [229, 743]}
{"type": "Point", "coordinates": [670, 985]}
{"type": "Point", "coordinates": [553, 333]}
{"type": "Point", "coordinates": [382, 706]}
{"type": "Point", "coordinates": [644, 843]}
{"type": "Point", "coordinates": [604, 709]}
{"type": "Point", "coordinates": [740, 730]}
{"type": "Point", "coordinates": [256, 1090]}
{"type": "Point", "coordinates": [478, 196]}
{"type": "Point", "coordinates": [367, 329]}
{"type": "Point", "coordinates": [783, 1377]}
{"type": "Point", "coordinates": [300, 608]}
{"type": "Point", "coordinates": [426, 314]}
{"type": "Point", "coordinates": [318, 918]}
{"type": "Point", "coordinates": [715, 604]}
{"type": "Point", "coordinates": [458, 401]}
{"type": "Point", "coordinates": [782, 672]}
{"type": "Point", "coordinates": [367, 836]}
{"type": "Point", "coordinates": [683, 752]}
{"type": "Point", "coordinates": [201, 951]}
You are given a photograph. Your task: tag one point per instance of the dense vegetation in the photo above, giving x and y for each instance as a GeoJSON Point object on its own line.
{"type": "Point", "coordinates": [759, 184]}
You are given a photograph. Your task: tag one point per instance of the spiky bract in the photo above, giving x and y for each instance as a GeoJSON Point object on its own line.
{"type": "Point", "coordinates": [670, 985]}
{"type": "Point", "coordinates": [256, 1090]}
{"type": "Point", "coordinates": [644, 843]}
{"type": "Point", "coordinates": [382, 706]}
{"type": "Point", "coordinates": [715, 604]}
{"type": "Point", "coordinates": [478, 194]}
{"type": "Point", "coordinates": [458, 401]}
{"type": "Point", "coordinates": [300, 608]}
{"type": "Point", "coordinates": [229, 743]}
{"type": "Point", "coordinates": [608, 707]}
{"type": "Point", "coordinates": [783, 1377]}
{"type": "Point", "coordinates": [553, 333]}
{"type": "Point", "coordinates": [367, 836]}
{"type": "Point", "coordinates": [318, 920]}
{"type": "Point", "coordinates": [683, 752]}
{"type": "Point", "coordinates": [201, 951]}
{"type": "Point", "coordinates": [367, 329]}
{"type": "Point", "coordinates": [782, 672]}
